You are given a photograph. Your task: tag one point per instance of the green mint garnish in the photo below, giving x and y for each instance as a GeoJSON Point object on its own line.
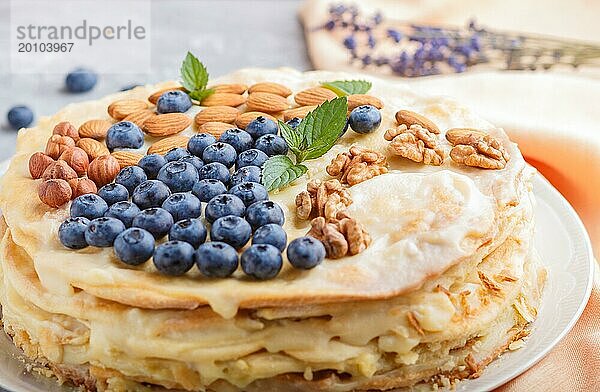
{"type": "Point", "coordinates": [194, 78]}
{"type": "Point", "coordinates": [279, 170]}
{"type": "Point", "coordinates": [348, 87]}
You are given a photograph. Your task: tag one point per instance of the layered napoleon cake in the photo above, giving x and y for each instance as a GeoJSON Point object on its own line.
{"type": "Point", "coordinates": [426, 221]}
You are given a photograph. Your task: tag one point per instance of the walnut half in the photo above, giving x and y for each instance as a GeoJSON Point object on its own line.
{"type": "Point", "coordinates": [341, 236]}
{"type": "Point", "coordinates": [476, 148]}
{"type": "Point", "coordinates": [415, 143]}
{"type": "Point", "coordinates": [357, 165]}
{"type": "Point", "coordinates": [324, 199]}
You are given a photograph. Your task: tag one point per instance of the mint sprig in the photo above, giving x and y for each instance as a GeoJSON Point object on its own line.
{"type": "Point", "coordinates": [312, 138]}
{"type": "Point", "coordinates": [194, 78]}
{"type": "Point", "coordinates": [348, 87]}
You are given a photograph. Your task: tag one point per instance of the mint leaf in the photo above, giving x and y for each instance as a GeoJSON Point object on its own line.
{"type": "Point", "coordinates": [348, 87]}
{"type": "Point", "coordinates": [279, 170]}
{"type": "Point", "coordinates": [322, 127]}
{"type": "Point", "coordinates": [199, 95]}
{"type": "Point", "coordinates": [194, 77]}
{"type": "Point", "coordinates": [293, 138]}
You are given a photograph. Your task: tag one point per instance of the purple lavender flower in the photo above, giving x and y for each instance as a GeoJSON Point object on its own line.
{"type": "Point", "coordinates": [372, 41]}
{"type": "Point", "coordinates": [395, 35]}
{"type": "Point", "coordinates": [366, 60]}
{"type": "Point", "coordinates": [350, 42]}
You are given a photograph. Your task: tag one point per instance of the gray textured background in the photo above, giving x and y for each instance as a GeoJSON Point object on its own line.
{"type": "Point", "coordinates": [226, 35]}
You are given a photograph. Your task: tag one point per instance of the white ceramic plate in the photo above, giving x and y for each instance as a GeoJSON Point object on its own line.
{"type": "Point", "coordinates": [564, 247]}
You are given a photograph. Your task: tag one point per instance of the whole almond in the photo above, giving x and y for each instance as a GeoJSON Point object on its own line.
{"type": "Point", "coordinates": [127, 158]}
{"type": "Point", "coordinates": [124, 107]}
{"type": "Point", "coordinates": [223, 99]}
{"type": "Point", "coordinates": [356, 100]}
{"type": "Point", "coordinates": [233, 88]}
{"type": "Point", "coordinates": [409, 118]}
{"type": "Point", "coordinates": [57, 144]}
{"type": "Point", "coordinates": [167, 144]}
{"type": "Point", "coordinates": [103, 170]}
{"type": "Point", "coordinates": [82, 186]}
{"type": "Point", "coordinates": [314, 96]}
{"type": "Point", "coordinates": [214, 128]}
{"type": "Point", "coordinates": [140, 117]}
{"type": "Point", "coordinates": [59, 170]}
{"type": "Point", "coordinates": [93, 148]}
{"type": "Point", "coordinates": [95, 129]}
{"type": "Point", "coordinates": [225, 114]}
{"type": "Point", "coordinates": [54, 192]}
{"type": "Point", "coordinates": [65, 128]}
{"type": "Point", "coordinates": [244, 119]}
{"type": "Point", "coordinates": [266, 102]}
{"type": "Point", "coordinates": [38, 163]}
{"type": "Point", "coordinates": [270, 87]}
{"type": "Point", "coordinates": [299, 112]}
{"type": "Point", "coordinates": [77, 159]}
{"type": "Point", "coordinates": [167, 124]}
{"type": "Point", "coordinates": [153, 98]}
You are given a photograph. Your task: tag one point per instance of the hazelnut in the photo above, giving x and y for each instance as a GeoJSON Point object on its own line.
{"type": "Point", "coordinates": [38, 163]}
{"type": "Point", "coordinates": [57, 144]}
{"type": "Point", "coordinates": [65, 128]}
{"type": "Point", "coordinates": [59, 170]}
{"type": "Point", "coordinates": [82, 186]}
{"type": "Point", "coordinates": [103, 170]}
{"type": "Point", "coordinates": [54, 192]}
{"type": "Point", "coordinates": [77, 159]}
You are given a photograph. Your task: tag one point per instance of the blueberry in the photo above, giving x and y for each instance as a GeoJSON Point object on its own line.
{"type": "Point", "coordinates": [262, 261]}
{"type": "Point", "coordinates": [261, 126]}
{"type": "Point", "coordinates": [216, 171]}
{"type": "Point", "coordinates": [71, 232]}
{"type": "Point", "coordinates": [173, 258]}
{"type": "Point", "coordinates": [199, 142]}
{"type": "Point", "coordinates": [264, 212]}
{"type": "Point", "coordinates": [294, 122]}
{"type": "Point", "coordinates": [152, 164]}
{"type": "Point", "coordinates": [124, 211]}
{"type": "Point", "coordinates": [19, 117]}
{"type": "Point", "coordinates": [232, 230]}
{"type": "Point", "coordinates": [223, 205]}
{"type": "Point", "coordinates": [113, 193]}
{"type": "Point", "coordinates": [252, 157]}
{"type": "Point", "coordinates": [178, 176]}
{"type": "Point", "coordinates": [176, 154]}
{"type": "Point", "coordinates": [271, 234]}
{"type": "Point", "coordinates": [216, 259]}
{"type": "Point", "coordinates": [175, 101]}
{"type": "Point", "coordinates": [134, 246]}
{"type": "Point", "coordinates": [193, 160]}
{"type": "Point", "coordinates": [130, 177]}
{"type": "Point", "coordinates": [305, 252]}
{"type": "Point", "coordinates": [156, 220]}
{"type": "Point", "coordinates": [250, 192]}
{"type": "Point", "coordinates": [102, 232]}
{"type": "Point", "coordinates": [364, 119]}
{"type": "Point", "coordinates": [90, 206]}
{"type": "Point", "coordinates": [246, 174]}
{"type": "Point", "coordinates": [271, 145]}
{"type": "Point", "coordinates": [151, 193]}
{"type": "Point", "coordinates": [80, 80]}
{"type": "Point", "coordinates": [124, 134]}
{"type": "Point", "coordinates": [209, 188]}
{"type": "Point", "coordinates": [220, 152]}
{"type": "Point", "coordinates": [238, 139]}
{"type": "Point", "coordinates": [191, 231]}
{"type": "Point", "coordinates": [183, 206]}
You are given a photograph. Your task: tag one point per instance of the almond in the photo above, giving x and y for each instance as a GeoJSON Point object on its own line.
{"type": "Point", "coordinates": [356, 100]}
{"type": "Point", "coordinates": [266, 102]}
{"type": "Point", "coordinates": [127, 158]}
{"type": "Point", "coordinates": [39, 162]}
{"type": "Point", "coordinates": [124, 107]}
{"type": "Point", "coordinates": [103, 170]}
{"type": "Point", "coordinates": [314, 96]}
{"type": "Point", "coordinates": [96, 129]}
{"type": "Point", "coordinates": [270, 87]}
{"type": "Point", "coordinates": [82, 186]}
{"type": "Point", "coordinates": [59, 170]}
{"type": "Point", "coordinates": [409, 118]}
{"type": "Point", "coordinates": [167, 124]}
{"type": "Point", "coordinates": [299, 112]}
{"type": "Point", "coordinates": [65, 128]}
{"type": "Point", "coordinates": [223, 99]}
{"type": "Point", "coordinates": [214, 128]}
{"type": "Point", "coordinates": [233, 88]}
{"type": "Point", "coordinates": [225, 114]}
{"type": "Point", "coordinates": [93, 148]}
{"type": "Point", "coordinates": [57, 144]}
{"type": "Point", "coordinates": [153, 98]}
{"type": "Point", "coordinates": [167, 144]}
{"type": "Point", "coordinates": [140, 117]}
{"type": "Point", "coordinates": [54, 192]}
{"type": "Point", "coordinates": [77, 159]}
{"type": "Point", "coordinates": [244, 119]}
